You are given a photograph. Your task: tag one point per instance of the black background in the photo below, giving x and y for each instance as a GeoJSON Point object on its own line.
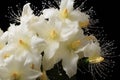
{"type": "Point", "coordinates": [107, 12]}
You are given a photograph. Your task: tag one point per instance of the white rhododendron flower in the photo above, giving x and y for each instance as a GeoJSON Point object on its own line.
{"type": "Point", "coordinates": [66, 11]}
{"type": "Point", "coordinates": [93, 52]}
{"type": "Point", "coordinates": [17, 70]}
{"type": "Point", "coordinates": [30, 49]}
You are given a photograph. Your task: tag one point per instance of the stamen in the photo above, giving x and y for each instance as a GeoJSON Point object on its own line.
{"type": "Point", "coordinates": [64, 13]}
{"type": "Point", "coordinates": [75, 44]}
{"type": "Point", "coordinates": [15, 76]}
{"type": "Point", "coordinates": [53, 34]}
{"type": "Point", "coordinates": [96, 59]}
{"type": "Point", "coordinates": [25, 45]}
{"type": "Point", "coordinates": [6, 55]}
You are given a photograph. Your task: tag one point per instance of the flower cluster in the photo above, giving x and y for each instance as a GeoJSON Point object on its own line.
{"type": "Point", "coordinates": [28, 50]}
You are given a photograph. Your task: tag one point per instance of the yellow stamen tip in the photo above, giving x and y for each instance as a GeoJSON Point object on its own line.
{"type": "Point", "coordinates": [53, 34]}
{"type": "Point", "coordinates": [64, 13]}
{"type": "Point", "coordinates": [6, 55]}
{"type": "Point", "coordinates": [96, 59]}
{"type": "Point", "coordinates": [23, 44]}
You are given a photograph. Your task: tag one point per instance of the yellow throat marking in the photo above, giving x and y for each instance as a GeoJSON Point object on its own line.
{"type": "Point", "coordinates": [6, 55]}
{"type": "Point", "coordinates": [53, 34]}
{"type": "Point", "coordinates": [64, 13]}
{"type": "Point", "coordinates": [22, 43]}
{"type": "Point", "coordinates": [15, 76]}
{"type": "Point", "coordinates": [75, 44]}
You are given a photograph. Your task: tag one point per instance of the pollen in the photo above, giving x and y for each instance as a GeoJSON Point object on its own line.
{"type": "Point", "coordinates": [1, 46]}
{"type": "Point", "coordinates": [32, 66]}
{"type": "Point", "coordinates": [15, 76]}
{"type": "Point", "coordinates": [75, 44]}
{"type": "Point", "coordinates": [96, 59]}
{"type": "Point", "coordinates": [53, 34]}
{"type": "Point", "coordinates": [6, 55]}
{"type": "Point", "coordinates": [84, 24]}
{"type": "Point", "coordinates": [64, 13]}
{"type": "Point", "coordinates": [22, 43]}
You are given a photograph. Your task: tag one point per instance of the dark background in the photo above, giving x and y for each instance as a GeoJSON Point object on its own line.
{"type": "Point", "coordinates": [106, 10]}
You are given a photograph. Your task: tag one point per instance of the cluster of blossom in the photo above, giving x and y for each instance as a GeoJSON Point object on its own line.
{"type": "Point", "coordinates": [57, 34]}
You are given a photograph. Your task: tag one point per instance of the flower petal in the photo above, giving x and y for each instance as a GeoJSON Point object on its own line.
{"type": "Point", "coordinates": [70, 64]}
{"type": "Point", "coordinates": [51, 49]}
{"type": "Point", "coordinates": [48, 13]}
{"type": "Point", "coordinates": [67, 4]}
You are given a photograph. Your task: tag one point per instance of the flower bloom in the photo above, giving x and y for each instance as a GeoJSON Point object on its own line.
{"type": "Point", "coordinates": [28, 50]}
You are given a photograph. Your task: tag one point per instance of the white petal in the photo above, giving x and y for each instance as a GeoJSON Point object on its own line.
{"type": "Point", "coordinates": [48, 13]}
{"type": "Point", "coordinates": [92, 50]}
{"type": "Point", "coordinates": [66, 4]}
{"type": "Point", "coordinates": [78, 16]}
{"type": "Point", "coordinates": [69, 30]}
{"type": "Point", "coordinates": [27, 10]}
{"type": "Point", "coordinates": [37, 45]}
{"type": "Point", "coordinates": [70, 64]}
{"type": "Point", "coordinates": [32, 74]}
{"type": "Point", "coordinates": [1, 31]}
{"type": "Point", "coordinates": [27, 14]}
{"type": "Point", "coordinates": [51, 49]}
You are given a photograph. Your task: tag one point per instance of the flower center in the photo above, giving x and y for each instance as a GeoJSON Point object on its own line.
{"type": "Point", "coordinates": [53, 34]}
{"type": "Point", "coordinates": [23, 44]}
{"type": "Point", "coordinates": [15, 76]}
{"type": "Point", "coordinates": [6, 55]}
{"type": "Point", "coordinates": [96, 59]}
{"type": "Point", "coordinates": [75, 44]}
{"type": "Point", "coordinates": [64, 13]}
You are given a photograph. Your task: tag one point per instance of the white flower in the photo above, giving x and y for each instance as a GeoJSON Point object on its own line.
{"type": "Point", "coordinates": [66, 11]}
{"type": "Point", "coordinates": [24, 39]}
{"type": "Point", "coordinates": [68, 52]}
{"type": "Point", "coordinates": [17, 70]}
{"type": "Point", "coordinates": [27, 14]}
{"type": "Point", "coordinates": [93, 52]}
{"type": "Point", "coordinates": [54, 32]}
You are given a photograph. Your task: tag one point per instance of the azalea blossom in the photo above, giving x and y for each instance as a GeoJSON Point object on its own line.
{"type": "Point", "coordinates": [67, 11]}
{"type": "Point", "coordinates": [30, 49]}
{"type": "Point", "coordinates": [69, 53]}
{"type": "Point", "coordinates": [93, 52]}
{"type": "Point", "coordinates": [17, 70]}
